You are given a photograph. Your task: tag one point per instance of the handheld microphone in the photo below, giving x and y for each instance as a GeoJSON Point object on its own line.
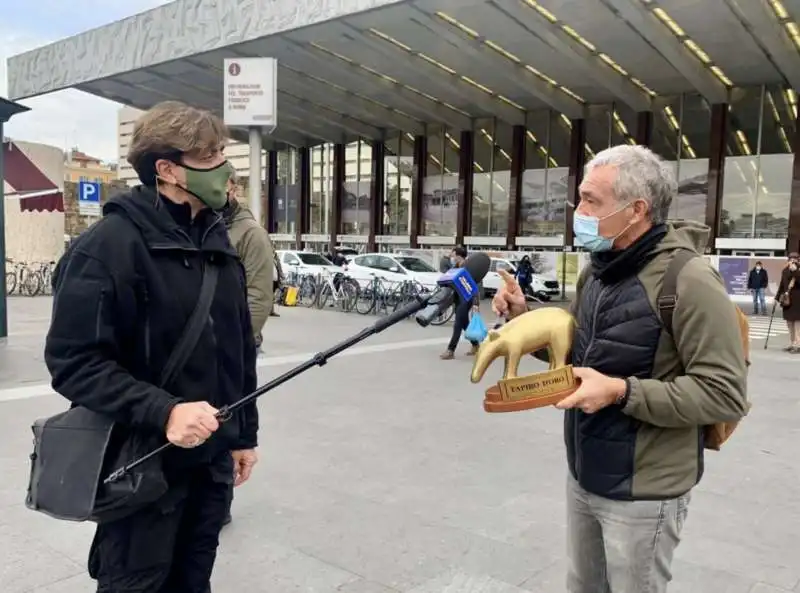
{"type": "Point", "coordinates": [457, 284]}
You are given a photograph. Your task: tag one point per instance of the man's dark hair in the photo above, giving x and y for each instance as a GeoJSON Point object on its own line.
{"type": "Point", "coordinates": [460, 251]}
{"type": "Point", "coordinates": [758, 263]}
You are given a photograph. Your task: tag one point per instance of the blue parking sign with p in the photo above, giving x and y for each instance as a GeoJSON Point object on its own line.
{"type": "Point", "coordinates": [89, 198]}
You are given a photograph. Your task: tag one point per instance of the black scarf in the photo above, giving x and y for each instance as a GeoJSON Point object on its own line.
{"type": "Point", "coordinates": [611, 267]}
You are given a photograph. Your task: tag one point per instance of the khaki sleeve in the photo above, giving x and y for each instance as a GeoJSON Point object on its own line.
{"type": "Point", "coordinates": [713, 387]}
{"type": "Point", "coordinates": [256, 252]}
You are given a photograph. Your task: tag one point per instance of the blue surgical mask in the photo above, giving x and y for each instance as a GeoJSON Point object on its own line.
{"type": "Point", "coordinates": [587, 231]}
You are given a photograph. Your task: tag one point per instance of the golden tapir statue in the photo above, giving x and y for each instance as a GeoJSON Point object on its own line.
{"type": "Point", "coordinates": [548, 328]}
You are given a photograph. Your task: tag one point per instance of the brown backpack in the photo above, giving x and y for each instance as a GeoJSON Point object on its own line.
{"type": "Point", "coordinates": [715, 434]}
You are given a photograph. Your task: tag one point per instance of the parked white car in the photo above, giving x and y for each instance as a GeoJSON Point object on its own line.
{"type": "Point", "coordinates": [544, 288]}
{"type": "Point", "coordinates": [393, 268]}
{"type": "Point", "coordinates": [304, 262]}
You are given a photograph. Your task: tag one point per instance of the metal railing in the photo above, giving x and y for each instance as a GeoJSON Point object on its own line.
{"type": "Point", "coordinates": [341, 292]}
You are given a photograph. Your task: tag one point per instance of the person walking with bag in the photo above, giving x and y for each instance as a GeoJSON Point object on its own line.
{"type": "Point", "coordinates": [789, 299]}
{"type": "Point", "coordinates": [462, 315]}
{"type": "Point", "coordinates": [123, 296]}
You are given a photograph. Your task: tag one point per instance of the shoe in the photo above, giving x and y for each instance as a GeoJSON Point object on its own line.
{"type": "Point", "coordinates": [274, 314]}
{"type": "Point", "coordinates": [473, 351]}
{"type": "Point", "coordinates": [447, 355]}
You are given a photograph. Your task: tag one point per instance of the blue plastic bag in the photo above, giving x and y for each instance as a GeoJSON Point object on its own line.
{"type": "Point", "coordinates": [476, 330]}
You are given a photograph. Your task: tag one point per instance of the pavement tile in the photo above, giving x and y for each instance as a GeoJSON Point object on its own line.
{"type": "Point", "coordinates": [381, 473]}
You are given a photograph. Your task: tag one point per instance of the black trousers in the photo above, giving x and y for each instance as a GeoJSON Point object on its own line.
{"type": "Point", "coordinates": [460, 323]}
{"type": "Point", "coordinates": [171, 546]}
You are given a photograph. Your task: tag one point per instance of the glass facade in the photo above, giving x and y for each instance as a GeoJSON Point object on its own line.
{"type": "Point", "coordinates": [321, 188]}
{"type": "Point", "coordinates": [756, 180]}
{"type": "Point", "coordinates": [682, 135]}
{"type": "Point", "coordinates": [491, 177]}
{"type": "Point", "coordinates": [440, 185]}
{"type": "Point", "coordinates": [398, 179]}
{"type": "Point", "coordinates": [758, 167]}
{"type": "Point", "coordinates": [357, 188]}
{"type": "Point", "coordinates": [287, 190]}
{"type": "Point", "coordinates": [543, 200]}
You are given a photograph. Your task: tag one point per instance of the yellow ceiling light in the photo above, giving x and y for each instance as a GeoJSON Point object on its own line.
{"type": "Point", "coordinates": [741, 140]}
{"type": "Point", "coordinates": [688, 147]}
{"type": "Point", "coordinates": [387, 78]}
{"type": "Point", "coordinates": [447, 69]}
{"type": "Point", "coordinates": [589, 46]}
{"type": "Point", "coordinates": [785, 19]}
{"type": "Point", "coordinates": [690, 44]}
{"type": "Point", "coordinates": [508, 55]}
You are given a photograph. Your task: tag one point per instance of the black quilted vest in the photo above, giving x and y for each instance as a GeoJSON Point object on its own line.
{"type": "Point", "coordinates": [617, 334]}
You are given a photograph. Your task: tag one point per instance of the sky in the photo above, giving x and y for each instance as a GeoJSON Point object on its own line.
{"type": "Point", "coordinates": [68, 118]}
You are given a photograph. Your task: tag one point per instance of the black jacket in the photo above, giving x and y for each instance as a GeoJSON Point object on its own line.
{"type": "Point", "coordinates": [757, 279]}
{"type": "Point", "coordinates": [122, 296]}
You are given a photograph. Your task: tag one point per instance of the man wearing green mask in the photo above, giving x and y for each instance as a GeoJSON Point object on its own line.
{"type": "Point", "coordinates": [125, 293]}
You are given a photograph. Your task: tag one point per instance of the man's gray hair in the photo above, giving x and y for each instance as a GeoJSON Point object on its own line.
{"type": "Point", "coordinates": [641, 174]}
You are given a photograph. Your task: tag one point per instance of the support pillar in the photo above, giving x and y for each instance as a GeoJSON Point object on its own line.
{"type": "Point", "coordinates": [4, 299]}
{"type": "Point", "coordinates": [420, 171]}
{"type": "Point", "coordinates": [793, 240]}
{"type": "Point", "coordinates": [518, 157]}
{"type": "Point", "coordinates": [644, 128]}
{"type": "Point", "coordinates": [337, 202]}
{"type": "Point", "coordinates": [256, 178]}
{"type": "Point", "coordinates": [272, 198]}
{"type": "Point", "coordinates": [716, 171]}
{"type": "Point", "coordinates": [465, 165]}
{"type": "Point", "coordinates": [303, 207]}
{"type": "Point", "coordinates": [577, 161]}
{"type": "Point", "coordinates": [377, 193]}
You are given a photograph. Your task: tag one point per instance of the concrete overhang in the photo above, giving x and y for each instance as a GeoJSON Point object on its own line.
{"type": "Point", "coordinates": [9, 109]}
{"type": "Point", "coordinates": [369, 68]}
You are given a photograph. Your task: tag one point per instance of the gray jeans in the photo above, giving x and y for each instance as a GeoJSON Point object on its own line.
{"type": "Point", "coordinates": [618, 546]}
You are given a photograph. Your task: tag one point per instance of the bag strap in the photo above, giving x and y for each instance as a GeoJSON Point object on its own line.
{"type": "Point", "coordinates": [668, 296]}
{"type": "Point", "coordinates": [194, 327]}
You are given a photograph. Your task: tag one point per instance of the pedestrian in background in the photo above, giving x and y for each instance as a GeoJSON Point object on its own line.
{"type": "Point", "coordinates": [757, 284]}
{"type": "Point", "coordinates": [254, 248]}
{"type": "Point", "coordinates": [789, 298]}
{"type": "Point", "coordinates": [461, 319]}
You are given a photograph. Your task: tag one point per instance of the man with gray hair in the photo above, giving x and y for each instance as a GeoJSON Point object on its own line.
{"type": "Point", "coordinates": [654, 370]}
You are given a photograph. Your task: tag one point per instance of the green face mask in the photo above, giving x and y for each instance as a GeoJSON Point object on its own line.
{"type": "Point", "coordinates": [210, 186]}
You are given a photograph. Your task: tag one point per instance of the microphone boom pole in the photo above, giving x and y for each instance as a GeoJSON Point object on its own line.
{"type": "Point", "coordinates": [318, 360]}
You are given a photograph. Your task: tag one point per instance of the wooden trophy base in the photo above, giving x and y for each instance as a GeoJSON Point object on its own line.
{"type": "Point", "coordinates": [533, 391]}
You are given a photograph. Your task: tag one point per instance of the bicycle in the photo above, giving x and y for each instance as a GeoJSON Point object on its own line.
{"type": "Point", "coordinates": [22, 279]}
{"type": "Point", "coordinates": [343, 290]}
{"type": "Point", "coordinates": [374, 296]}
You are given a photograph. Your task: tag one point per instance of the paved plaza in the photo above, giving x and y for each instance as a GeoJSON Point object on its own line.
{"type": "Point", "coordinates": [381, 473]}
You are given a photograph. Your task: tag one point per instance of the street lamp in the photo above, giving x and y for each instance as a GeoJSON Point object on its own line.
{"type": "Point", "coordinates": [8, 109]}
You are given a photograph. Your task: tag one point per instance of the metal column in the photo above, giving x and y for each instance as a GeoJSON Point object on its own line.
{"type": "Point", "coordinates": [3, 295]}
{"type": "Point", "coordinates": [255, 173]}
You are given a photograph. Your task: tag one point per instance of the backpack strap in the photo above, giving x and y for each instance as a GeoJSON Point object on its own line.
{"type": "Point", "coordinates": [668, 296]}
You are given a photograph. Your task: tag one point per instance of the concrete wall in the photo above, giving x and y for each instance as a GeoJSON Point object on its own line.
{"type": "Point", "coordinates": [33, 236]}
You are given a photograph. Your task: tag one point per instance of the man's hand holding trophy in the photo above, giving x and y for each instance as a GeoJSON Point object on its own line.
{"type": "Point", "coordinates": [550, 330]}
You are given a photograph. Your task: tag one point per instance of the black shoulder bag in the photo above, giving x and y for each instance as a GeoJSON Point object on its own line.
{"type": "Point", "coordinates": [74, 450]}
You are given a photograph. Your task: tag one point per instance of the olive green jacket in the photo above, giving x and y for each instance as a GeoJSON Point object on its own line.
{"type": "Point", "coordinates": [256, 252]}
{"type": "Point", "coordinates": [698, 378]}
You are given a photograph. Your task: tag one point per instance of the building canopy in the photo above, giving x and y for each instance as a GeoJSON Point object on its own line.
{"type": "Point", "coordinates": [370, 68]}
